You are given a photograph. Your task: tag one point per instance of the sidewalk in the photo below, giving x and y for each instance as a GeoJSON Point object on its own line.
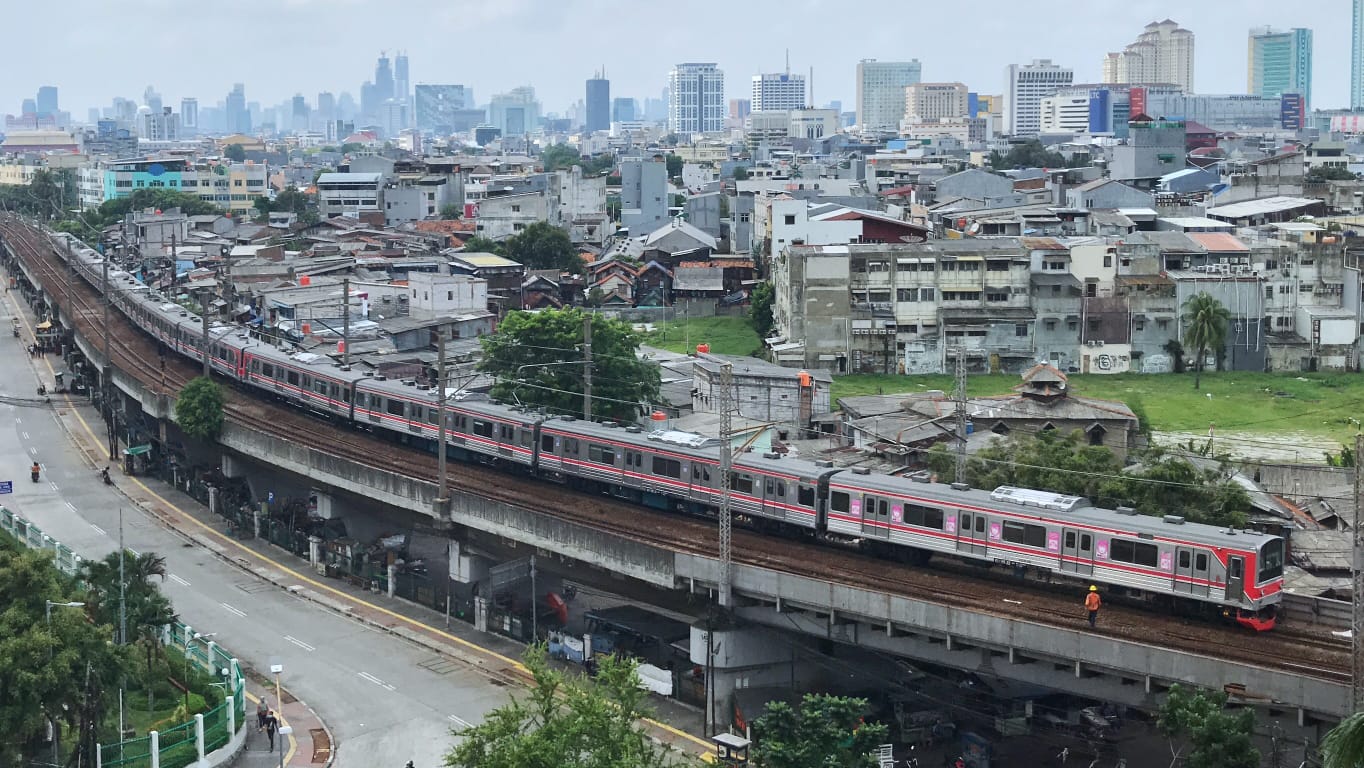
{"type": "Point", "coordinates": [494, 655]}
{"type": "Point", "coordinates": [308, 746]}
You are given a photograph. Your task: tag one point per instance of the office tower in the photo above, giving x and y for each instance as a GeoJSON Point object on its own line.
{"type": "Point", "coordinates": [437, 105]}
{"type": "Point", "coordinates": [1357, 57]}
{"type": "Point", "coordinates": [401, 84]}
{"type": "Point", "coordinates": [696, 101]}
{"type": "Point", "coordinates": [189, 116]}
{"type": "Point", "coordinates": [1163, 53]}
{"type": "Point", "coordinates": [516, 112]}
{"type": "Point", "coordinates": [1280, 62]}
{"type": "Point", "coordinates": [935, 101]}
{"type": "Point", "coordinates": [299, 113]}
{"type": "Point", "coordinates": [29, 107]}
{"type": "Point", "coordinates": [383, 80]}
{"type": "Point", "coordinates": [393, 118]}
{"type": "Point", "coordinates": [326, 108]}
{"type": "Point", "coordinates": [740, 108]}
{"type": "Point", "coordinates": [779, 92]}
{"type": "Point", "coordinates": [237, 112]}
{"type": "Point", "coordinates": [152, 99]}
{"type": "Point", "coordinates": [881, 92]}
{"type": "Point", "coordinates": [46, 103]}
{"type": "Point", "coordinates": [598, 103]}
{"type": "Point", "coordinates": [1028, 85]}
{"type": "Point", "coordinates": [623, 110]}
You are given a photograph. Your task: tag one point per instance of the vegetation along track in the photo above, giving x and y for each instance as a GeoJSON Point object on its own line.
{"type": "Point", "coordinates": [943, 581]}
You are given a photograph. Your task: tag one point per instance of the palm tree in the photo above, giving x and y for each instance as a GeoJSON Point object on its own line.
{"type": "Point", "coordinates": [1343, 747]}
{"type": "Point", "coordinates": [1205, 327]}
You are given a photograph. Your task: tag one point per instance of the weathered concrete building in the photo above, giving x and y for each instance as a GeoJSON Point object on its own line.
{"type": "Point", "coordinates": [762, 391]}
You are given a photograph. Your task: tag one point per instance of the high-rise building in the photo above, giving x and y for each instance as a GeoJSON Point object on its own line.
{"type": "Point", "coordinates": [326, 108]}
{"type": "Point", "coordinates": [436, 106]}
{"type": "Point", "coordinates": [401, 84]}
{"type": "Point", "coordinates": [1280, 62]}
{"type": "Point", "coordinates": [598, 103]}
{"type": "Point", "coordinates": [516, 112]}
{"type": "Point", "coordinates": [1162, 53]}
{"type": "Point", "coordinates": [935, 101]}
{"type": "Point", "coordinates": [29, 107]}
{"type": "Point", "coordinates": [1028, 85]}
{"type": "Point", "coordinates": [696, 102]}
{"type": "Point", "coordinates": [189, 116]}
{"type": "Point", "coordinates": [299, 113]}
{"type": "Point", "coordinates": [623, 110]}
{"type": "Point", "coordinates": [152, 99]}
{"type": "Point", "coordinates": [237, 112]}
{"type": "Point", "coordinates": [393, 119]}
{"type": "Point", "coordinates": [383, 81]}
{"type": "Point", "coordinates": [1357, 56]}
{"type": "Point", "coordinates": [739, 108]}
{"type": "Point", "coordinates": [780, 92]}
{"type": "Point", "coordinates": [46, 103]}
{"type": "Point", "coordinates": [881, 92]}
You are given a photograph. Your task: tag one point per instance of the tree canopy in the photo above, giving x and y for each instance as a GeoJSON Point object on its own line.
{"type": "Point", "coordinates": [1214, 736]}
{"type": "Point", "coordinates": [234, 152]}
{"type": "Point", "coordinates": [1343, 747]}
{"type": "Point", "coordinates": [199, 409]}
{"type": "Point", "coordinates": [1205, 328]}
{"type": "Point", "coordinates": [542, 245]}
{"type": "Point", "coordinates": [479, 244]}
{"type": "Point", "coordinates": [557, 156]}
{"type": "Point", "coordinates": [1029, 154]}
{"type": "Point", "coordinates": [293, 200]}
{"type": "Point", "coordinates": [566, 721]}
{"type": "Point", "coordinates": [1050, 461]}
{"type": "Point", "coordinates": [760, 309]}
{"type": "Point", "coordinates": [49, 194]}
{"type": "Point", "coordinates": [824, 732]}
{"type": "Point", "coordinates": [537, 359]}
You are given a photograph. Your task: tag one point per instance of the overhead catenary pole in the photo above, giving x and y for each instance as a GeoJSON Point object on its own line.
{"type": "Point", "coordinates": [959, 394]}
{"type": "Point", "coordinates": [106, 378]}
{"type": "Point", "coordinates": [726, 463]}
{"type": "Point", "coordinates": [345, 326]}
{"type": "Point", "coordinates": [1357, 594]}
{"type": "Point", "coordinates": [587, 367]}
{"type": "Point", "coordinates": [442, 494]}
{"type": "Point", "coordinates": [208, 368]}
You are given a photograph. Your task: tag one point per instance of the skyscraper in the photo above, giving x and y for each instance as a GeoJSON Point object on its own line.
{"type": "Point", "coordinates": [299, 113]}
{"type": "Point", "coordinates": [46, 103]}
{"type": "Point", "coordinates": [238, 116]}
{"type": "Point", "coordinates": [881, 92]}
{"type": "Point", "coordinates": [696, 102]}
{"type": "Point", "coordinates": [778, 92]}
{"type": "Point", "coordinates": [598, 103]}
{"type": "Point", "coordinates": [1280, 62]}
{"type": "Point", "coordinates": [1357, 57]}
{"type": "Point", "coordinates": [401, 84]}
{"type": "Point", "coordinates": [1162, 53]}
{"type": "Point", "coordinates": [326, 107]}
{"type": "Point", "coordinates": [383, 80]}
{"type": "Point", "coordinates": [516, 112]}
{"type": "Point", "coordinates": [436, 106]}
{"type": "Point", "coordinates": [1028, 85]}
{"type": "Point", "coordinates": [189, 116]}
{"type": "Point", "coordinates": [623, 110]}
{"type": "Point", "coordinates": [152, 99]}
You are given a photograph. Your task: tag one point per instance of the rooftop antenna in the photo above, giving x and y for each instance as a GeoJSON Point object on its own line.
{"type": "Point", "coordinates": [788, 61]}
{"type": "Point", "coordinates": [812, 86]}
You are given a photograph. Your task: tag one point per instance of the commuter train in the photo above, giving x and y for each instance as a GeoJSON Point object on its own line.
{"type": "Point", "coordinates": [1170, 563]}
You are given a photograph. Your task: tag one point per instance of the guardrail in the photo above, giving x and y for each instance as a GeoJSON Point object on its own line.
{"type": "Point", "coordinates": [1317, 611]}
{"type": "Point", "coordinates": [189, 743]}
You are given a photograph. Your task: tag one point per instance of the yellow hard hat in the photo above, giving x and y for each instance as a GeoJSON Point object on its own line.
{"type": "Point", "coordinates": [1093, 588]}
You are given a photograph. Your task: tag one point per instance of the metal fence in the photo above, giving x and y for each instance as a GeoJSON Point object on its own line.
{"type": "Point", "coordinates": [174, 747]}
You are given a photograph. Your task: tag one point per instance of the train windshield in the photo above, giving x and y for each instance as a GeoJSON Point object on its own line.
{"type": "Point", "coordinates": [1271, 560]}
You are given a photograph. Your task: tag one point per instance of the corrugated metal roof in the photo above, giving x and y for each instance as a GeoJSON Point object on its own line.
{"type": "Point", "coordinates": [1219, 242]}
{"type": "Point", "coordinates": [1262, 206]}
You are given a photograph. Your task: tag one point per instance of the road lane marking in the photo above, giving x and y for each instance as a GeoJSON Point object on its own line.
{"type": "Point", "coordinates": [99, 530]}
{"type": "Point", "coordinates": [71, 506]}
{"type": "Point", "coordinates": [25, 435]}
{"type": "Point", "coordinates": [461, 722]}
{"type": "Point", "coordinates": [299, 643]}
{"type": "Point", "coordinates": [178, 580]}
{"type": "Point", "coordinates": [53, 483]}
{"type": "Point", "coordinates": [230, 609]}
{"type": "Point", "coordinates": [33, 449]}
{"type": "Point", "coordinates": [376, 681]}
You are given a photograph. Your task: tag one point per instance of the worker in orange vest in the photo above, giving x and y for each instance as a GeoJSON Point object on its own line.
{"type": "Point", "coordinates": [1092, 603]}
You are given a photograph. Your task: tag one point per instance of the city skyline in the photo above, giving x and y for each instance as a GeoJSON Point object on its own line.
{"type": "Point", "coordinates": [978, 56]}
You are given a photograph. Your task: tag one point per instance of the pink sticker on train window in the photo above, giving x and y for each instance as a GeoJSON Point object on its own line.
{"type": "Point", "coordinates": [1166, 561]}
{"type": "Point", "coordinates": [856, 507]}
{"type": "Point", "coordinates": [897, 513]}
{"type": "Point", "coordinates": [994, 531]}
{"type": "Point", "coordinates": [1053, 541]}
{"type": "Point", "coordinates": [1101, 549]}
{"type": "Point", "coordinates": [950, 524]}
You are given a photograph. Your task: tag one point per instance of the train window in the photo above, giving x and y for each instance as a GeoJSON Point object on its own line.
{"type": "Point", "coordinates": [292, 378]}
{"type": "Point", "coordinates": [321, 387]}
{"type": "Point", "coordinates": [527, 437]}
{"type": "Point", "coordinates": [601, 454]}
{"type": "Point", "coordinates": [1027, 535]}
{"type": "Point", "coordinates": [506, 432]}
{"type": "Point", "coordinates": [700, 471]}
{"type": "Point", "coordinates": [1236, 568]}
{"type": "Point", "coordinates": [781, 489]}
{"type": "Point", "coordinates": [267, 370]}
{"type": "Point", "coordinates": [547, 443]}
{"type": "Point", "coordinates": [883, 509]}
{"type": "Point", "coordinates": [1184, 558]}
{"type": "Point", "coordinates": [1135, 552]}
{"type": "Point", "coordinates": [966, 522]}
{"type": "Point", "coordinates": [1201, 561]}
{"type": "Point", "coordinates": [255, 365]}
{"type": "Point", "coordinates": [838, 501]}
{"type": "Point", "coordinates": [395, 407]}
{"type": "Point", "coordinates": [1070, 540]}
{"type": "Point", "coordinates": [805, 496]}
{"type": "Point", "coordinates": [1271, 560]}
{"type": "Point", "coordinates": [669, 467]}
{"type": "Point", "coordinates": [570, 446]}
{"type": "Point", "coordinates": [1086, 542]}
{"type": "Point", "coordinates": [924, 517]}
{"type": "Point", "coordinates": [432, 416]}
{"type": "Point", "coordinates": [740, 483]}
{"type": "Point", "coordinates": [483, 428]}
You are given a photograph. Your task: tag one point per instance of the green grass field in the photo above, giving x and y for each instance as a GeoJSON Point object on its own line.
{"type": "Point", "coordinates": [725, 335]}
{"type": "Point", "coordinates": [1323, 405]}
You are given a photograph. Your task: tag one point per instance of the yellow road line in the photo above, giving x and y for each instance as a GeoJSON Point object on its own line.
{"type": "Point", "coordinates": [513, 663]}
{"type": "Point", "coordinates": [293, 743]}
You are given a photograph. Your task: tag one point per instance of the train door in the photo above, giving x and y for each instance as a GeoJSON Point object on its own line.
{"type": "Point", "coordinates": [875, 517]}
{"type": "Point", "coordinates": [1077, 551]}
{"type": "Point", "coordinates": [968, 540]}
{"type": "Point", "coordinates": [1236, 578]}
{"type": "Point", "coordinates": [1191, 572]}
{"type": "Point", "coordinates": [241, 364]}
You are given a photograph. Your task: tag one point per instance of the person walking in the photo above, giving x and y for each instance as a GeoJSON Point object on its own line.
{"type": "Point", "coordinates": [271, 726]}
{"type": "Point", "coordinates": [1092, 603]}
{"type": "Point", "coordinates": [261, 712]}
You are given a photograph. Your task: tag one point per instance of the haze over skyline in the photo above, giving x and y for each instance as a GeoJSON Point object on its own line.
{"type": "Point", "coordinates": [307, 46]}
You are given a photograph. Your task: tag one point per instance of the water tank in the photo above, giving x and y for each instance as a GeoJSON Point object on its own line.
{"type": "Point", "coordinates": [702, 349]}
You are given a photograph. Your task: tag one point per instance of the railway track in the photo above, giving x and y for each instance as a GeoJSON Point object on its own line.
{"type": "Point", "coordinates": [946, 583]}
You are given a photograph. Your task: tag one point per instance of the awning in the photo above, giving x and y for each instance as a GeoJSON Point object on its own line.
{"type": "Point", "coordinates": [45, 325]}
{"type": "Point", "coordinates": [138, 450]}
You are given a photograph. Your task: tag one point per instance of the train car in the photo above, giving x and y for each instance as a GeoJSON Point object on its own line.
{"type": "Point", "coordinates": [480, 431]}
{"type": "Point", "coordinates": [306, 379]}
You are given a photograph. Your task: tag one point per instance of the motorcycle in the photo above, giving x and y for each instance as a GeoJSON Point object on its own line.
{"type": "Point", "coordinates": [104, 475]}
{"type": "Point", "coordinates": [36, 471]}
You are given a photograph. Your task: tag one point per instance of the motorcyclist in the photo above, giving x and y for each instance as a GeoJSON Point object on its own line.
{"type": "Point", "coordinates": [36, 470]}
{"type": "Point", "coordinates": [104, 475]}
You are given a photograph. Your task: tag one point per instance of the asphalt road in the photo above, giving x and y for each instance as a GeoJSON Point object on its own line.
{"type": "Point", "coordinates": [385, 701]}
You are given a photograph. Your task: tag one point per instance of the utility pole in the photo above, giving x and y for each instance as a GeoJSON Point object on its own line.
{"type": "Point", "coordinates": [1357, 595]}
{"type": "Point", "coordinates": [122, 594]}
{"type": "Point", "coordinates": [208, 366]}
{"type": "Point", "coordinates": [959, 394]}
{"type": "Point", "coordinates": [107, 376]}
{"type": "Point", "coordinates": [442, 495]}
{"type": "Point", "coordinates": [587, 367]}
{"type": "Point", "coordinates": [726, 463]}
{"type": "Point", "coordinates": [345, 341]}
{"type": "Point", "coordinates": [227, 284]}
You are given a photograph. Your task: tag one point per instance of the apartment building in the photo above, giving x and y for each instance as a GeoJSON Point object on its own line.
{"type": "Point", "coordinates": [231, 186]}
{"type": "Point", "coordinates": [1028, 85]}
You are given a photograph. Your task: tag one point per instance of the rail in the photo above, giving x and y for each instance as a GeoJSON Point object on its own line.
{"type": "Point", "coordinates": [190, 743]}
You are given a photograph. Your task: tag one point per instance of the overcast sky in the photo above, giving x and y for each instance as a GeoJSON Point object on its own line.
{"type": "Point", "coordinates": [94, 50]}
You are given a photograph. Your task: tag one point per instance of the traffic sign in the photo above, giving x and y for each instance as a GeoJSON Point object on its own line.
{"type": "Point", "coordinates": [6, 486]}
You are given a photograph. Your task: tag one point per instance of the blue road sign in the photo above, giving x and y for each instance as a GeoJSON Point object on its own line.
{"type": "Point", "coordinates": [6, 486]}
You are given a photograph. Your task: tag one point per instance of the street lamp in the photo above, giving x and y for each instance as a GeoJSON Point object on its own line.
{"type": "Point", "coordinates": [189, 649]}
{"type": "Point", "coordinates": [56, 737]}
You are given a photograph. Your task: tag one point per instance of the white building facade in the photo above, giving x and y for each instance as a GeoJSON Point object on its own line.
{"type": "Point", "coordinates": [1162, 53]}
{"type": "Point", "coordinates": [696, 102]}
{"type": "Point", "coordinates": [1062, 113]}
{"type": "Point", "coordinates": [782, 91]}
{"type": "Point", "coordinates": [1028, 85]}
{"type": "Point", "coordinates": [881, 92]}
